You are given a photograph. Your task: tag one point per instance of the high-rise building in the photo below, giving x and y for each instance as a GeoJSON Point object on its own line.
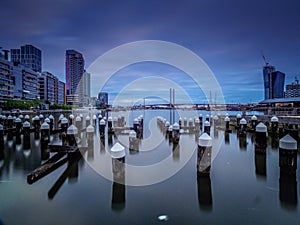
{"type": "Point", "coordinates": [6, 80]}
{"type": "Point", "coordinates": [87, 87]}
{"type": "Point", "coordinates": [18, 82]}
{"type": "Point", "coordinates": [61, 93]}
{"type": "Point", "coordinates": [102, 100]}
{"type": "Point", "coordinates": [273, 82]}
{"type": "Point", "coordinates": [292, 90]}
{"type": "Point", "coordinates": [48, 87]}
{"type": "Point", "coordinates": [28, 56]}
{"type": "Point", "coordinates": [74, 74]}
{"type": "Point", "coordinates": [29, 84]}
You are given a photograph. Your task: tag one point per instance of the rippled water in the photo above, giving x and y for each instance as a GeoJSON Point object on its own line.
{"type": "Point", "coordinates": [243, 187]}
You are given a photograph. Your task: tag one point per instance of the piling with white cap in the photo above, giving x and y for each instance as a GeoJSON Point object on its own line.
{"type": "Point", "coordinates": [71, 119]}
{"type": "Point", "coordinates": [133, 141]}
{"type": "Point", "coordinates": [26, 135]}
{"type": "Point", "coordinates": [51, 118]}
{"type": "Point", "coordinates": [18, 124]}
{"type": "Point", "coordinates": [102, 128]}
{"type": "Point", "coordinates": [9, 122]}
{"type": "Point", "coordinates": [36, 125]}
{"type": "Point", "coordinates": [204, 154]}
{"type": "Point", "coordinates": [90, 130]}
{"type": "Point", "coordinates": [45, 135]}
{"type": "Point", "coordinates": [243, 127]}
{"type": "Point", "coordinates": [118, 169]}
{"type": "Point", "coordinates": [201, 119]}
{"type": "Point", "coordinates": [176, 133]}
{"type": "Point", "coordinates": [207, 127]}
{"type": "Point", "coordinates": [72, 133]}
{"type": "Point", "coordinates": [238, 119]}
{"type": "Point", "coordinates": [274, 125]}
{"type": "Point", "coordinates": [110, 125]}
{"type": "Point", "coordinates": [227, 121]}
{"type": "Point", "coordinates": [288, 155]}
{"type": "Point", "coordinates": [64, 127]}
{"type": "Point", "coordinates": [253, 122]}
{"type": "Point", "coordinates": [261, 137]}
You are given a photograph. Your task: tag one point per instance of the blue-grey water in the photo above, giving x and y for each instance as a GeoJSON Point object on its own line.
{"type": "Point", "coordinates": [243, 188]}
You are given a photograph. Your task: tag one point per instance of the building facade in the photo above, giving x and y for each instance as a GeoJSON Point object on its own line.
{"type": "Point", "coordinates": [28, 56]}
{"type": "Point", "coordinates": [6, 80]}
{"type": "Point", "coordinates": [74, 74]}
{"type": "Point", "coordinates": [61, 93]}
{"type": "Point", "coordinates": [48, 87]}
{"type": "Point", "coordinates": [29, 84]}
{"type": "Point", "coordinates": [87, 87]}
{"type": "Point", "coordinates": [273, 82]}
{"type": "Point", "coordinates": [102, 100]}
{"type": "Point", "coordinates": [292, 90]}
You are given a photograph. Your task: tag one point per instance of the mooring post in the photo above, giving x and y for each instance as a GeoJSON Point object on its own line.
{"type": "Point", "coordinates": [36, 125]}
{"type": "Point", "coordinates": [253, 122]}
{"type": "Point", "coordinates": [18, 124]}
{"type": "Point", "coordinates": [45, 134]}
{"type": "Point", "coordinates": [90, 130]}
{"type": "Point", "coordinates": [176, 133]}
{"type": "Point", "coordinates": [207, 127]}
{"type": "Point", "coordinates": [204, 154]}
{"type": "Point", "coordinates": [102, 128]}
{"type": "Point", "coordinates": [26, 135]}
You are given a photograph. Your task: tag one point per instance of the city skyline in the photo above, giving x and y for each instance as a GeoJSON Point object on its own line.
{"type": "Point", "coordinates": [228, 36]}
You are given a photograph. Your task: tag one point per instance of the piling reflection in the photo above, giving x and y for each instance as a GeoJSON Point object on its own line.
{"type": "Point", "coordinates": [71, 172]}
{"type": "Point", "coordinates": [288, 192]}
{"type": "Point", "coordinates": [176, 152]}
{"type": "Point", "coordinates": [204, 192]}
{"type": "Point", "coordinates": [118, 186]}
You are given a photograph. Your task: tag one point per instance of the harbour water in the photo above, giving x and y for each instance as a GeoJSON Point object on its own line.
{"type": "Point", "coordinates": [243, 187]}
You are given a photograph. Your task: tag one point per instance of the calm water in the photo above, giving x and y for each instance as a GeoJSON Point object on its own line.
{"type": "Point", "coordinates": [243, 188]}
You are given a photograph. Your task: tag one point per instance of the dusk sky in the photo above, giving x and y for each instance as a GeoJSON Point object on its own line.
{"type": "Point", "coordinates": [227, 35]}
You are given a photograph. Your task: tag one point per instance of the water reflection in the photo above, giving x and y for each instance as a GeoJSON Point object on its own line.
{"type": "Point", "coordinates": [15, 158]}
{"type": "Point", "coordinates": [204, 192]}
{"type": "Point", "coordinates": [118, 186]}
{"type": "Point", "coordinates": [71, 172]}
{"type": "Point", "coordinates": [288, 193]}
{"type": "Point", "coordinates": [176, 152]}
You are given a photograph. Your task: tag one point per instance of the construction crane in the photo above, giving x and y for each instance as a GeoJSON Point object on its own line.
{"type": "Point", "coordinates": [264, 58]}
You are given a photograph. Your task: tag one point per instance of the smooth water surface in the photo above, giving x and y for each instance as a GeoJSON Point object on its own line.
{"type": "Point", "coordinates": [243, 188]}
